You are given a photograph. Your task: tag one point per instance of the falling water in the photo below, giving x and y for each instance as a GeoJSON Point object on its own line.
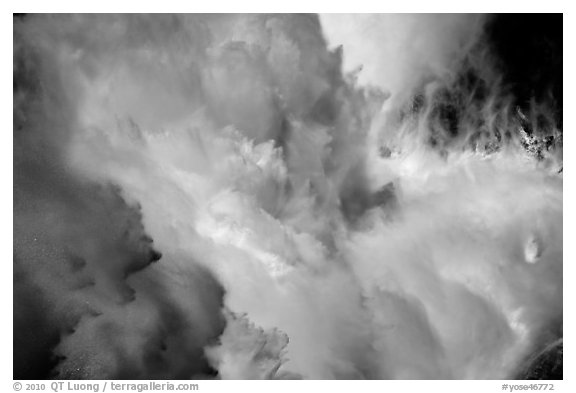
{"type": "Point", "coordinates": [234, 196]}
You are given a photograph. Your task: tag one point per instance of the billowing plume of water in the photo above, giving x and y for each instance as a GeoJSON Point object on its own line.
{"type": "Point", "coordinates": [309, 227]}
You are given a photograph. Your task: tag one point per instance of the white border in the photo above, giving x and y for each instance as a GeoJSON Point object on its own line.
{"type": "Point", "coordinates": [6, 157]}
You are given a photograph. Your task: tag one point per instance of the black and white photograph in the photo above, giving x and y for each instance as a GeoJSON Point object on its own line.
{"type": "Point", "coordinates": [248, 196]}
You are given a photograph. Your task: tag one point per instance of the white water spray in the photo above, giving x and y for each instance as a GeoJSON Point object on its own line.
{"type": "Point", "coordinates": [347, 247]}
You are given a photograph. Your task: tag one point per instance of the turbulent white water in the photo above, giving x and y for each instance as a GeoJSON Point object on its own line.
{"type": "Point", "coordinates": [346, 246]}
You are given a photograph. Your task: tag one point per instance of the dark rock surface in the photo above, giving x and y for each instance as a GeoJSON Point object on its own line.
{"type": "Point", "coordinates": [546, 364]}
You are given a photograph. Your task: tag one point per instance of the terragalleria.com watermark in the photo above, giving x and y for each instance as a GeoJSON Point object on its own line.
{"type": "Point", "coordinates": [96, 387]}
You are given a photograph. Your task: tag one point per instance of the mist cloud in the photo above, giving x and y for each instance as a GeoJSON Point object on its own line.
{"type": "Point", "coordinates": [202, 196]}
